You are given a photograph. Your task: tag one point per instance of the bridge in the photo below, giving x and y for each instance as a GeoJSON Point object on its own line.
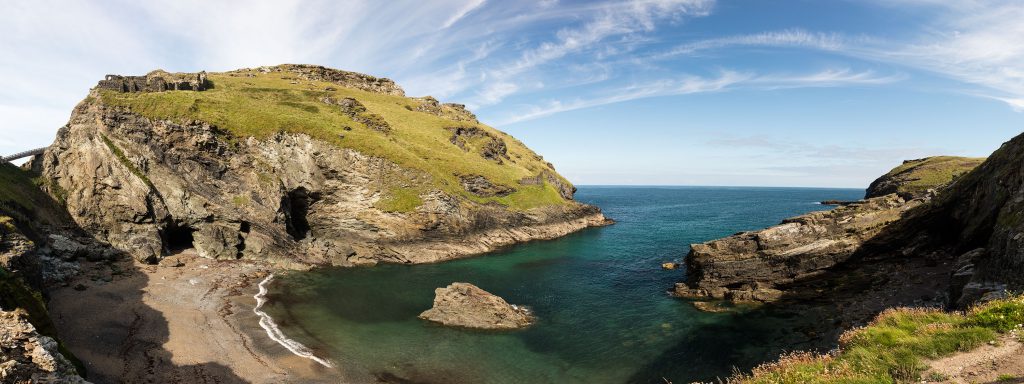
{"type": "Point", "coordinates": [21, 155]}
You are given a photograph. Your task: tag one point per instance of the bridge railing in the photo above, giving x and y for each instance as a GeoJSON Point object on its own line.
{"type": "Point", "coordinates": [19, 155]}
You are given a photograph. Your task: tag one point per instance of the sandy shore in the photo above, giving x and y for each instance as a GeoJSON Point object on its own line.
{"type": "Point", "coordinates": [192, 323]}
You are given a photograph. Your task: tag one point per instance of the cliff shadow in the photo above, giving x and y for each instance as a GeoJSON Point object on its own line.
{"type": "Point", "coordinates": [104, 319]}
{"type": "Point", "coordinates": [810, 316]}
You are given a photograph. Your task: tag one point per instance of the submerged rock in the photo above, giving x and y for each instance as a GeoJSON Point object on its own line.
{"type": "Point", "coordinates": [466, 305]}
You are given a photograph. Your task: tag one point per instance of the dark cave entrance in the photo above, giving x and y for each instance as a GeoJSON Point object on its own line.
{"type": "Point", "coordinates": [178, 238]}
{"type": "Point", "coordinates": [297, 204]}
{"type": "Point", "coordinates": [243, 232]}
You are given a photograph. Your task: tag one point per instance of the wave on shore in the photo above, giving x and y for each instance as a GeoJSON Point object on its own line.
{"type": "Point", "coordinates": [275, 333]}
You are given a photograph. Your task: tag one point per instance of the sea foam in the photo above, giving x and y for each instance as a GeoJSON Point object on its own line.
{"type": "Point", "coordinates": [275, 333]}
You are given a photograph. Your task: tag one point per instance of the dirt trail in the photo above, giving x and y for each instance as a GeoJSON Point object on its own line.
{"type": "Point", "coordinates": [998, 362]}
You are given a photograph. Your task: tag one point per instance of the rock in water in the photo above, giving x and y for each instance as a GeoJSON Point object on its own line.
{"type": "Point", "coordinates": [466, 305]}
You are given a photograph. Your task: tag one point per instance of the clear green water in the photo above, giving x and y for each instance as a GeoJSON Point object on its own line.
{"type": "Point", "coordinates": [600, 297]}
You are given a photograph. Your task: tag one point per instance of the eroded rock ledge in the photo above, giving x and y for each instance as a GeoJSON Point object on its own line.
{"type": "Point", "coordinates": [749, 266]}
{"type": "Point", "coordinates": [466, 305]}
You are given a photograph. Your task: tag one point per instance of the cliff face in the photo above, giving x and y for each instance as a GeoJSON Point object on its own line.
{"type": "Point", "coordinates": [300, 163]}
{"type": "Point", "coordinates": [748, 265]}
{"type": "Point", "coordinates": [979, 222]}
{"type": "Point", "coordinates": [30, 259]}
{"type": "Point", "coordinates": [901, 218]}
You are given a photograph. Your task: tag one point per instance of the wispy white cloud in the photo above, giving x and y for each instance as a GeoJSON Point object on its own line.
{"type": "Point", "coordinates": [611, 20]}
{"type": "Point", "coordinates": [462, 12]}
{"type": "Point", "coordinates": [976, 42]}
{"type": "Point", "coordinates": [724, 81]}
{"type": "Point", "coordinates": [784, 38]}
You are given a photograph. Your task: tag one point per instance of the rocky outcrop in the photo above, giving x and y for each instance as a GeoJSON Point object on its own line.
{"type": "Point", "coordinates": [358, 113]}
{"type": "Point", "coordinates": [481, 186]}
{"type": "Point", "coordinates": [466, 305]}
{"type": "Point", "coordinates": [451, 111]}
{"type": "Point", "coordinates": [749, 265]}
{"type": "Point", "coordinates": [28, 357]}
{"type": "Point", "coordinates": [156, 81]}
{"type": "Point", "coordinates": [336, 76]}
{"type": "Point", "coordinates": [964, 218]}
{"type": "Point", "coordinates": [28, 351]}
{"type": "Point", "coordinates": [914, 178]}
{"type": "Point", "coordinates": [486, 144]}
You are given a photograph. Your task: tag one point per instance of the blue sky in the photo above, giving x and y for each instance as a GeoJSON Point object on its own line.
{"type": "Point", "coordinates": [679, 92]}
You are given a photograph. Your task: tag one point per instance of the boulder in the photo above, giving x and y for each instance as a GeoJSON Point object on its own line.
{"type": "Point", "coordinates": [466, 305]}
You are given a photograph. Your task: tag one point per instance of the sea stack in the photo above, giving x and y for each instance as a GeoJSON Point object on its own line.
{"type": "Point", "coordinates": [466, 305]}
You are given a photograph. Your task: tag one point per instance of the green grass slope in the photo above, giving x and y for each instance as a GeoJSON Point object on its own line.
{"type": "Point", "coordinates": [914, 177]}
{"type": "Point", "coordinates": [254, 103]}
{"type": "Point", "coordinates": [24, 204]}
{"type": "Point", "coordinates": [893, 348]}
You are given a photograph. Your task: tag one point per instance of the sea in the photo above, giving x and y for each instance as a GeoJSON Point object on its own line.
{"type": "Point", "coordinates": [600, 295]}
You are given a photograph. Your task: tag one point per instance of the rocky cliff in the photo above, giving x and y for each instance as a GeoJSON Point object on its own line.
{"type": "Point", "coordinates": [890, 223]}
{"type": "Point", "coordinates": [33, 257]}
{"type": "Point", "coordinates": [298, 163]}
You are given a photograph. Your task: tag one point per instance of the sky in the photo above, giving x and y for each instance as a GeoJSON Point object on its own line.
{"type": "Point", "coordinates": [646, 92]}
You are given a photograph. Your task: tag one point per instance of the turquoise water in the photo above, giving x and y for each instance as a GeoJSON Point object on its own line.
{"type": "Point", "coordinates": [599, 295]}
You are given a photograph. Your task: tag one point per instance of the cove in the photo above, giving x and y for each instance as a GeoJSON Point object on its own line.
{"type": "Point", "coordinates": [600, 297]}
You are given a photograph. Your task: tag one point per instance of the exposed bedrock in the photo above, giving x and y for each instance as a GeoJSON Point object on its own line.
{"type": "Point", "coordinates": [466, 305]}
{"type": "Point", "coordinates": [151, 187]}
{"type": "Point", "coordinates": [748, 265]}
{"type": "Point", "coordinates": [965, 217]}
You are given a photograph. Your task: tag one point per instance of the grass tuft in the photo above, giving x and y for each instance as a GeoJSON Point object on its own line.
{"type": "Point", "coordinates": [399, 199]}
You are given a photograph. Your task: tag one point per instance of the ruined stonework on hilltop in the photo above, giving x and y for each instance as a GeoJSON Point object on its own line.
{"type": "Point", "coordinates": [156, 81]}
{"type": "Point", "coordinates": [330, 75]}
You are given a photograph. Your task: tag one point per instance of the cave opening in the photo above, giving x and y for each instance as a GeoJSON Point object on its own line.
{"type": "Point", "coordinates": [298, 202]}
{"type": "Point", "coordinates": [178, 238]}
{"type": "Point", "coordinates": [243, 232]}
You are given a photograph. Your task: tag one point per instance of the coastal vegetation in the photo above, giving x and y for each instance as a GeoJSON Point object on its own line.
{"type": "Point", "coordinates": [413, 133]}
{"type": "Point", "coordinates": [895, 347]}
{"type": "Point", "coordinates": [914, 177]}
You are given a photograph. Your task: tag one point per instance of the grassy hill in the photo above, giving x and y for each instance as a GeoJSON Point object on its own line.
{"type": "Point", "coordinates": [914, 177]}
{"type": "Point", "coordinates": [260, 103]}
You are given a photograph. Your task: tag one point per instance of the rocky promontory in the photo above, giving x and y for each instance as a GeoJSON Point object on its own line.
{"type": "Point", "coordinates": [757, 265]}
{"type": "Point", "coordinates": [749, 265]}
{"type": "Point", "coordinates": [915, 177]}
{"type": "Point", "coordinates": [299, 164]}
{"type": "Point", "coordinates": [466, 305]}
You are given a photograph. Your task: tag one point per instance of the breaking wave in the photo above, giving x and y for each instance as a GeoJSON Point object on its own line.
{"type": "Point", "coordinates": [275, 333]}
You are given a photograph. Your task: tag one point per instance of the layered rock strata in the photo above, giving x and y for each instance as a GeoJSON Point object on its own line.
{"type": "Point", "coordinates": [749, 265]}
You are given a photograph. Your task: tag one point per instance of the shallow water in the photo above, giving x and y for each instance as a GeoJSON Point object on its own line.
{"type": "Point", "coordinates": [599, 295]}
